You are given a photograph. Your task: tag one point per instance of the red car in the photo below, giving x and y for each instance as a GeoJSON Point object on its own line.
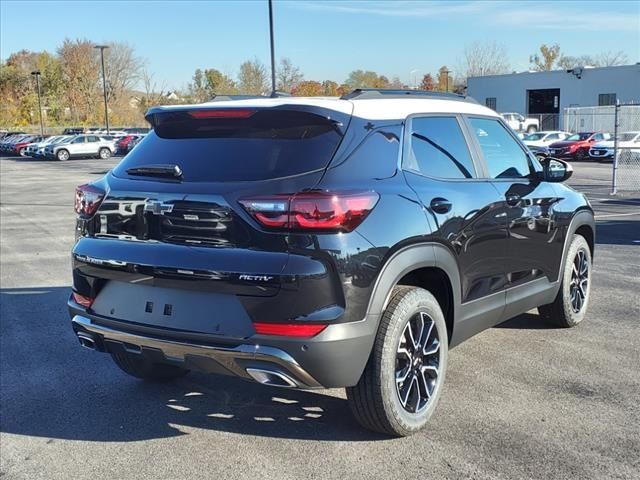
{"type": "Point", "coordinates": [576, 147]}
{"type": "Point", "coordinates": [123, 143]}
{"type": "Point", "coordinates": [19, 147]}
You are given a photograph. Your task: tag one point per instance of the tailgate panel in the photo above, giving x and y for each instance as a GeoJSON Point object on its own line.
{"type": "Point", "coordinates": [202, 312]}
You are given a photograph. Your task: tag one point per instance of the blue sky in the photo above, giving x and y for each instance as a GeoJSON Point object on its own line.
{"type": "Point", "coordinates": [326, 39]}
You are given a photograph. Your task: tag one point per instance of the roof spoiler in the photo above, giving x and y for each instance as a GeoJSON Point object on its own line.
{"type": "Point", "coordinates": [366, 93]}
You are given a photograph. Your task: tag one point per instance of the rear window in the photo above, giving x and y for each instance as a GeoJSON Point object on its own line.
{"type": "Point", "coordinates": [266, 144]}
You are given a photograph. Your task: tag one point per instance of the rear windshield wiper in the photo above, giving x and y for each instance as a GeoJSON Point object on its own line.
{"type": "Point", "coordinates": [158, 170]}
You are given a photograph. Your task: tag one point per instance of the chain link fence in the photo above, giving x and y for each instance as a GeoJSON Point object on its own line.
{"type": "Point", "coordinates": [621, 121]}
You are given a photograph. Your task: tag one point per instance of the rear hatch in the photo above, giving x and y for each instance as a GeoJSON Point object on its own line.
{"type": "Point", "coordinates": [171, 215]}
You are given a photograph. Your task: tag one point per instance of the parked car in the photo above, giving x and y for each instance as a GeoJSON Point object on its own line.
{"type": "Point", "coordinates": [73, 131]}
{"type": "Point", "coordinates": [541, 153]}
{"type": "Point", "coordinates": [8, 144]}
{"type": "Point", "coordinates": [80, 146]}
{"type": "Point", "coordinates": [40, 151]}
{"type": "Point", "coordinates": [19, 147]}
{"type": "Point", "coordinates": [521, 124]}
{"type": "Point", "coordinates": [122, 144]}
{"type": "Point", "coordinates": [133, 143]}
{"type": "Point", "coordinates": [228, 241]}
{"type": "Point", "coordinates": [604, 150]}
{"type": "Point", "coordinates": [576, 147]}
{"type": "Point", "coordinates": [546, 138]}
{"type": "Point", "coordinates": [31, 149]}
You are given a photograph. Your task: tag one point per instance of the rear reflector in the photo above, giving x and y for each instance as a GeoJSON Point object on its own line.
{"type": "Point", "coordinates": [317, 211]}
{"type": "Point", "coordinates": [219, 113]}
{"type": "Point", "coordinates": [289, 329]}
{"type": "Point", "coordinates": [82, 300]}
{"type": "Point", "coordinates": [88, 199]}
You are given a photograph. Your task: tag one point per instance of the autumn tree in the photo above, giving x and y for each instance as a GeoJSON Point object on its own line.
{"type": "Point", "coordinates": [308, 88]}
{"type": "Point", "coordinates": [81, 67]}
{"type": "Point", "coordinates": [547, 59]}
{"type": "Point", "coordinates": [427, 83]}
{"type": "Point", "coordinates": [396, 83]}
{"type": "Point", "coordinates": [330, 88]}
{"type": "Point", "coordinates": [287, 75]}
{"type": "Point", "coordinates": [253, 78]}
{"type": "Point", "coordinates": [366, 79]}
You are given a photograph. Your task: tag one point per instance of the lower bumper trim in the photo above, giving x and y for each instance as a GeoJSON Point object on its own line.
{"type": "Point", "coordinates": [277, 363]}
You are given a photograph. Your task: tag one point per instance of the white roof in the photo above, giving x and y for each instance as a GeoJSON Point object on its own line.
{"type": "Point", "coordinates": [368, 108]}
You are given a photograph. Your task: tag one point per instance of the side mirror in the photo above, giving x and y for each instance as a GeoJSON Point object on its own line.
{"type": "Point", "coordinates": [556, 170]}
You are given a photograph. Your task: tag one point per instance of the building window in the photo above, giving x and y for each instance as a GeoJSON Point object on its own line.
{"type": "Point", "coordinates": [606, 99]}
{"type": "Point", "coordinates": [490, 102]}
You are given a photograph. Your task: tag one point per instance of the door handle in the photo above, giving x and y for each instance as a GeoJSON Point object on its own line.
{"type": "Point", "coordinates": [440, 205]}
{"type": "Point", "coordinates": [512, 199]}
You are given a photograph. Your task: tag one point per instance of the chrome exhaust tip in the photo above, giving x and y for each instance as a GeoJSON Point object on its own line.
{"type": "Point", "coordinates": [271, 378]}
{"type": "Point", "coordinates": [87, 341]}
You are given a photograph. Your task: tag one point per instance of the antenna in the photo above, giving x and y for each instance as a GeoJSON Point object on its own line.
{"type": "Point", "coordinates": [273, 57]}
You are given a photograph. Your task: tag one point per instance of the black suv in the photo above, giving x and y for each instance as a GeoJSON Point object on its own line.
{"type": "Point", "coordinates": [311, 243]}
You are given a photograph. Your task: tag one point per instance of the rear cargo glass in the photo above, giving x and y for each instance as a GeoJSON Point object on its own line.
{"type": "Point", "coordinates": [268, 144]}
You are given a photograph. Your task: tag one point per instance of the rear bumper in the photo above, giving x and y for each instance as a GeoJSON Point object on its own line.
{"type": "Point", "coordinates": [266, 365]}
{"type": "Point", "coordinates": [334, 358]}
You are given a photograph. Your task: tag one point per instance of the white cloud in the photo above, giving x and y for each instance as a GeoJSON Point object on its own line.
{"type": "Point", "coordinates": [543, 15]}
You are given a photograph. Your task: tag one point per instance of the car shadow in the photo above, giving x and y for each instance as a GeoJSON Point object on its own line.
{"type": "Point", "coordinates": [51, 387]}
{"type": "Point", "coordinates": [527, 321]}
{"type": "Point", "coordinates": [618, 232]}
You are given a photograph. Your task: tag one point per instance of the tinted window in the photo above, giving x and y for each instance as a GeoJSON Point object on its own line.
{"type": "Point", "coordinates": [93, 139]}
{"type": "Point", "coordinates": [439, 149]}
{"type": "Point", "coordinates": [503, 155]}
{"type": "Point", "coordinates": [579, 136]}
{"type": "Point", "coordinates": [262, 145]}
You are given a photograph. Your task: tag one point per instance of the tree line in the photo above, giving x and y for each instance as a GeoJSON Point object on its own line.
{"type": "Point", "coordinates": [71, 81]}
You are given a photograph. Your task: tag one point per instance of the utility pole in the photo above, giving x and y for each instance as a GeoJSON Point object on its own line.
{"type": "Point", "coordinates": [36, 73]}
{"type": "Point", "coordinates": [273, 55]}
{"type": "Point", "coordinates": [447, 72]}
{"type": "Point", "coordinates": [104, 85]}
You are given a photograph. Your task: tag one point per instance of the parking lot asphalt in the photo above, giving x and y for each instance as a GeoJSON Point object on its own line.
{"type": "Point", "coordinates": [522, 400]}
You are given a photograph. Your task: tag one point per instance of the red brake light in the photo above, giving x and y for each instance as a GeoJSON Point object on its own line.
{"type": "Point", "coordinates": [318, 211]}
{"type": "Point", "coordinates": [88, 199]}
{"type": "Point", "coordinates": [82, 300]}
{"type": "Point", "coordinates": [289, 329]}
{"type": "Point", "coordinates": [220, 113]}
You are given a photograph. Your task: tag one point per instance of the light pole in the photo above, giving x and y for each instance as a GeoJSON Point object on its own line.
{"type": "Point", "coordinates": [104, 85]}
{"type": "Point", "coordinates": [273, 55]}
{"type": "Point", "coordinates": [36, 73]}
{"type": "Point", "coordinates": [413, 78]}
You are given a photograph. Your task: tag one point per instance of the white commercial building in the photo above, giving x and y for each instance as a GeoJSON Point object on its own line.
{"type": "Point", "coordinates": [545, 95]}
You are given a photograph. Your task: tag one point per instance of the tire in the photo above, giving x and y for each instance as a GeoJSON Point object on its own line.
{"type": "Point", "coordinates": [104, 153]}
{"type": "Point", "coordinates": [570, 305]}
{"type": "Point", "coordinates": [136, 366]}
{"type": "Point", "coordinates": [376, 401]}
{"type": "Point", "coordinates": [580, 155]}
{"type": "Point", "coordinates": [62, 155]}
{"type": "Point", "coordinates": [21, 153]}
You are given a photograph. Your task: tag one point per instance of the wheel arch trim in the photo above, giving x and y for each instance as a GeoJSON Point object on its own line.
{"type": "Point", "coordinates": [406, 260]}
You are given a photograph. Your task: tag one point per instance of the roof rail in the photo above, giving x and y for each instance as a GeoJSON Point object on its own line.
{"type": "Point", "coordinates": [366, 93]}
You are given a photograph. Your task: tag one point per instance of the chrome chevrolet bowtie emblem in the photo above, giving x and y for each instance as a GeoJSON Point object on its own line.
{"type": "Point", "coordinates": [158, 208]}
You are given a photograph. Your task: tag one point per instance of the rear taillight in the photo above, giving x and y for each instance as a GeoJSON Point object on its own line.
{"type": "Point", "coordinates": [82, 300]}
{"type": "Point", "coordinates": [88, 199]}
{"type": "Point", "coordinates": [299, 330]}
{"type": "Point", "coordinates": [316, 211]}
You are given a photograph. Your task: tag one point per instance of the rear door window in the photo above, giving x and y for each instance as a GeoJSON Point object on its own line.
{"type": "Point", "coordinates": [438, 149]}
{"type": "Point", "coordinates": [250, 146]}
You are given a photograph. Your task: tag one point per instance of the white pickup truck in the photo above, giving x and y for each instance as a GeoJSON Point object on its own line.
{"type": "Point", "coordinates": [521, 124]}
{"type": "Point", "coordinates": [81, 146]}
